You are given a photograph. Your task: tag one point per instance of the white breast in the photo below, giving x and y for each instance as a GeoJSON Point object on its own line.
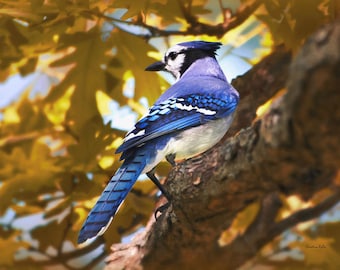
{"type": "Point", "coordinates": [194, 141]}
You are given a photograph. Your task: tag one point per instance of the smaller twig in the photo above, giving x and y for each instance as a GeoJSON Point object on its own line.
{"type": "Point", "coordinates": [270, 206]}
{"type": "Point", "coordinates": [226, 12]}
{"type": "Point", "coordinates": [306, 214]}
{"type": "Point", "coordinates": [50, 260]}
{"type": "Point", "coordinates": [186, 12]}
{"type": "Point", "coordinates": [243, 13]}
{"type": "Point", "coordinates": [195, 27]}
{"type": "Point", "coordinates": [14, 139]}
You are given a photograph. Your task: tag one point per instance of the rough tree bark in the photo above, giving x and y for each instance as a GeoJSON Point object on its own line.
{"type": "Point", "coordinates": [292, 149]}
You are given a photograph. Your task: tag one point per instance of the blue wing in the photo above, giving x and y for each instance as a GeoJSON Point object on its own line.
{"type": "Point", "coordinates": [176, 114]}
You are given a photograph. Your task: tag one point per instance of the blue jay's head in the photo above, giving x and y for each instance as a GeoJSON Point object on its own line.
{"type": "Point", "coordinates": [180, 57]}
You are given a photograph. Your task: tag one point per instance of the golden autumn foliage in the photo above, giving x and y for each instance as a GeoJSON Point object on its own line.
{"type": "Point", "coordinates": [57, 138]}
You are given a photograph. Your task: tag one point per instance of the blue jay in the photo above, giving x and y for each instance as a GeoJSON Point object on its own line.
{"type": "Point", "coordinates": [188, 119]}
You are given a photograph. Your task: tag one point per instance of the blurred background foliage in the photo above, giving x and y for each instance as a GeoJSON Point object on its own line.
{"type": "Point", "coordinates": [72, 82]}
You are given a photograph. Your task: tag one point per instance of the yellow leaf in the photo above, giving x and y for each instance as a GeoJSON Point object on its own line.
{"type": "Point", "coordinates": [115, 144]}
{"type": "Point", "coordinates": [262, 109]}
{"type": "Point", "coordinates": [240, 223]}
{"type": "Point", "coordinates": [103, 101]}
{"type": "Point", "coordinates": [25, 210]}
{"type": "Point", "coordinates": [87, 75]}
{"type": "Point", "coordinates": [51, 234]}
{"type": "Point", "coordinates": [9, 247]}
{"type": "Point", "coordinates": [32, 175]}
{"type": "Point", "coordinates": [106, 162]}
{"type": "Point", "coordinates": [318, 252]}
{"type": "Point", "coordinates": [146, 84]}
{"type": "Point", "coordinates": [11, 115]}
{"type": "Point", "coordinates": [56, 111]}
{"type": "Point", "coordinates": [81, 214]}
{"type": "Point", "coordinates": [137, 107]}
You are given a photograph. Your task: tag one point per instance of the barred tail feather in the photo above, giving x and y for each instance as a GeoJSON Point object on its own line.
{"type": "Point", "coordinates": [114, 193]}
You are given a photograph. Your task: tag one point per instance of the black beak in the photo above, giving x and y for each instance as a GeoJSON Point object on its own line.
{"type": "Point", "coordinates": [157, 66]}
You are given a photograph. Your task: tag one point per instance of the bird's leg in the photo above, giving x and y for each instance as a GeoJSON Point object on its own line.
{"type": "Point", "coordinates": [171, 159]}
{"type": "Point", "coordinates": [153, 178]}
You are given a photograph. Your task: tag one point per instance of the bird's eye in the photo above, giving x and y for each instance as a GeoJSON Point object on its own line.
{"type": "Point", "coordinates": [172, 55]}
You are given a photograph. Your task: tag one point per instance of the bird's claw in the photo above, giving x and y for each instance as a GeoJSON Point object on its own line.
{"type": "Point", "coordinates": [161, 209]}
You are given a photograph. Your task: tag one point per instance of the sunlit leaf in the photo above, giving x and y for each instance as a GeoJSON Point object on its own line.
{"type": "Point", "coordinates": [145, 83]}
{"type": "Point", "coordinates": [87, 76]}
{"type": "Point", "coordinates": [56, 111]}
{"type": "Point", "coordinates": [240, 224]}
{"type": "Point", "coordinates": [11, 115]}
{"type": "Point", "coordinates": [103, 101]}
{"type": "Point", "coordinates": [106, 162]}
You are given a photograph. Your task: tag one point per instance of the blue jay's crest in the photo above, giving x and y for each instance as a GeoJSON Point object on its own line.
{"type": "Point", "coordinates": [201, 45]}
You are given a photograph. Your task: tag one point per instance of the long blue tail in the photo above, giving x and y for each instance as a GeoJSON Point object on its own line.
{"type": "Point", "coordinates": [114, 193]}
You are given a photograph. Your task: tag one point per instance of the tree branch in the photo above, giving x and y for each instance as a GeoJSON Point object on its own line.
{"type": "Point", "coordinates": [292, 149]}
{"type": "Point", "coordinates": [195, 26]}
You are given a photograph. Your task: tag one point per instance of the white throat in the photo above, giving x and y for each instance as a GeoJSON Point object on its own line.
{"type": "Point", "coordinates": [174, 66]}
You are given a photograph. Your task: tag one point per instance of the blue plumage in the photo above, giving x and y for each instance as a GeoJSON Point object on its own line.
{"type": "Point", "coordinates": [171, 116]}
{"type": "Point", "coordinates": [188, 119]}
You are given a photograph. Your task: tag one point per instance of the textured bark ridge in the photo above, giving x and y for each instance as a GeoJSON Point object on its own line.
{"type": "Point", "coordinates": [292, 149]}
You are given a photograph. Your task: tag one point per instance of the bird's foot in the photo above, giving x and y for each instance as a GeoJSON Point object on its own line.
{"type": "Point", "coordinates": [161, 209]}
{"type": "Point", "coordinates": [171, 159]}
